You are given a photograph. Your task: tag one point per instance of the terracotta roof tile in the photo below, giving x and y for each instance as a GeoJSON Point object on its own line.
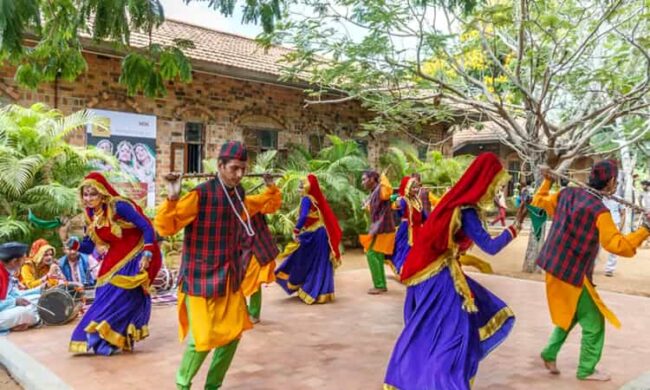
{"type": "Point", "coordinates": [216, 47]}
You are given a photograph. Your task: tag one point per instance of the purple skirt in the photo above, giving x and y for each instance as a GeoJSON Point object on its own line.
{"type": "Point", "coordinates": [308, 270]}
{"type": "Point", "coordinates": [442, 344]}
{"type": "Point", "coordinates": [117, 318]}
{"type": "Point", "coordinates": [401, 248]}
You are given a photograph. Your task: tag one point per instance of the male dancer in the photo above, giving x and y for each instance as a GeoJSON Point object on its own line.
{"type": "Point", "coordinates": [581, 224]}
{"type": "Point", "coordinates": [218, 236]}
{"type": "Point", "coordinates": [380, 240]}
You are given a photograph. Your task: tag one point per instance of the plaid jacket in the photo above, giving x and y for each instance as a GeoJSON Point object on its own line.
{"type": "Point", "coordinates": [570, 250]}
{"type": "Point", "coordinates": [215, 243]}
{"type": "Point", "coordinates": [382, 219]}
{"type": "Point", "coordinates": [264, 247]}
{"type": "Point", "coordinates": [426, 202]}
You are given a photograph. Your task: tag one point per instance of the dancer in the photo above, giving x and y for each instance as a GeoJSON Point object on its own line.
{"type": "Point", "coordinates": [380, 240]}
{"type": "Point", "coordinates": [261, 265]}
{"type": "Point", "coordinates": [451, 321]}
{"type": "Point", "coordinates": [218, 234]}
{"type": "Point", "coordinates": [412, 214]}
{"type": "Point", "coordinates": [309, 263]}
{"type": "Point", "coordinates": [17, 310]}
{"type": "Point", "coordinates": [120, 314]}
{"type": "Point", "coordinates": [581, 224]}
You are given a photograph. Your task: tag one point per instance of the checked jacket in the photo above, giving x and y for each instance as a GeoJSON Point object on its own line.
{"type": "Point", "coordinates": [570, 250]}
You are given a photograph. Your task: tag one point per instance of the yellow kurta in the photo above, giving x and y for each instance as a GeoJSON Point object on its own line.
{"type": "Point", "coordinates": [562, 296]}
{"type": "Point", "coordinates": [384, 242]}
{"type": "Point", "coordinates": [215, 321]}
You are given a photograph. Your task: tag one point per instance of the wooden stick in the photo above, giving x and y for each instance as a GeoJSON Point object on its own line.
{"type": "Point", "coordinates": [173, 176]}
{"type": "Point", "coordinates": [600, 193]}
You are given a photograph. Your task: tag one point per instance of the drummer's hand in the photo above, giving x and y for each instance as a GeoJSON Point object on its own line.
{"type": "Point", "coordinates": [269, 180]}
{"type": "Point", "coordinates": [22, 302]}
{"type": "Point", "coordinates": [54, 271]}
{"type": "Point", "coordinates": [145, 260]}
{"type": "Point", "coordinates": [173, 185]}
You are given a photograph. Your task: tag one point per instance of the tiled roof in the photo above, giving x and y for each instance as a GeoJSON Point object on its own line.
{"type": "Point", "coordinates": [216, 47]}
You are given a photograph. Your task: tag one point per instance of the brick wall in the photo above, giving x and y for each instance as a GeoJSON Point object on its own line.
{"type": "Point", "coordinates": [226, 106]}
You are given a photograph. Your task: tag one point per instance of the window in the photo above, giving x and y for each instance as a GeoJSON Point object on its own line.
{"type": "Point", "coordinates": [267, 140]}
{"type": "Point", "coordinates": [187, 157]}
{"type": "Point", "coordinates": [315, 143]}
{"type": "Point", "coordinates": [422, 152]}
{"type": "Point", "coordinates": [363, 145]}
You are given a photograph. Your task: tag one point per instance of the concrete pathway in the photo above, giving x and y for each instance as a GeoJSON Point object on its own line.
{"type": "Point", "coordinates": [346, 344]}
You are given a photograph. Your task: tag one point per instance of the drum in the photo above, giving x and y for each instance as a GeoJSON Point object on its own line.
{"type": "Point", "coordinates": [164, 280]}
{"type": "Point", "coordinates": [60, 305]}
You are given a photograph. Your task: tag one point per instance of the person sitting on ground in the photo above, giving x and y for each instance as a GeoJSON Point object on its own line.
{"type": "Point", "coordinates": [16, 309]}
{"type": "Point", "coordinates": [77, 267]}
{"type": "Point", "coordinates": [41, 269]}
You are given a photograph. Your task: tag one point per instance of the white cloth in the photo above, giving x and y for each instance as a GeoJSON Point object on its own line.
{"type": "Point", "coordinates": [12, 315]}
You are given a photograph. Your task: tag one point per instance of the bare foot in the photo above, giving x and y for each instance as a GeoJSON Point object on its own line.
{"type": "Point", "coordinates": [597, 376]}
{"type": "Point", "coordinates": [551, 367]}
{"type": "Point", "coordinates": [375, 291]}
{"type": "Point", "coordinates": [254, 320]}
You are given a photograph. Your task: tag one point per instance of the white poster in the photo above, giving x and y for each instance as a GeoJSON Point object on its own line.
{"type": "Point", "coordinates": [131, 138]}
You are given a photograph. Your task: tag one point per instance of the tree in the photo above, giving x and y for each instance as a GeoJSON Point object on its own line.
{"type": "Point", "coordinates": [39, 169]}
{"type": "Point", "coordinates": [401, 159]}
{"type": "Point", "coordinates": [549, 75]}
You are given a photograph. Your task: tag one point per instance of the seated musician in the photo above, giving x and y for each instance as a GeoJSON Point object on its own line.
{"type": "Point", "coordinates": [77, 267]}
{"type": "Point", "coordinates": [17, 311]}
{"type": "Point", "coordinates": [40, 268]}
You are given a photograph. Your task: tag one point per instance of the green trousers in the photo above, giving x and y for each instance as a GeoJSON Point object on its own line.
{"type": "Point", "coordinates": [592, 323]}
{"type": "Point", "coordinates": [376, 265]}
{"type": "Point", "coordinates": [255, 304]}
{"type": "Point", "coordinates": [193, 359]}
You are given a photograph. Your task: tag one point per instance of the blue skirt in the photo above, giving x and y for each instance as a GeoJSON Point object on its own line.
{"type": "Point", "coordinates": [401, 249]}
{"type": "Point", "coordinates": [117, 318]}
{"type": "Point", "coordinates": [308, 270]}
{"type": "Point", "coordinates": [442, 344]}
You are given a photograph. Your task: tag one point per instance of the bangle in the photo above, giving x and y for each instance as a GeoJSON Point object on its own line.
{"type": "Point", "coordinates": [147, 254]}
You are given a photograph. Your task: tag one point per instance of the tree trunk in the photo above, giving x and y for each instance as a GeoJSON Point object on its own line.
{"type": "Point", "coordinates": [628, 161]}
{"type": "Point", "coordinates": [534, 245]}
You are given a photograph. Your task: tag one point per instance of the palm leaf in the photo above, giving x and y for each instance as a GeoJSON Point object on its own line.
{"type": "Point", "coordinates": [17, 174]}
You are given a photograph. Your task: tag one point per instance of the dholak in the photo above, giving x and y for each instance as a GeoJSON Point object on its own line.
{"type": "Point", "coordinates": [164, 280]}
{"type": "Point", "coordinates": [59, 305]}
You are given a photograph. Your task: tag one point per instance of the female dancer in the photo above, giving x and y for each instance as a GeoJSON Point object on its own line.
{"type": "Point", "coordinates": [451, 321]}
{"type": "Point", "coordinates": [309, 263]}
{"type": "Point", "coordinates": [120, 313]}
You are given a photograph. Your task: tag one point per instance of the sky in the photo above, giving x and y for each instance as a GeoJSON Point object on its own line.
{"type": "Point", "coordinates": [198, 13]}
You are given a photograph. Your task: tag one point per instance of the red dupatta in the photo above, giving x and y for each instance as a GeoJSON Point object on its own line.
{"type": "Point", "coordinates": [442, 230]}
{"type": "Point", "coordinates": [329, 219]}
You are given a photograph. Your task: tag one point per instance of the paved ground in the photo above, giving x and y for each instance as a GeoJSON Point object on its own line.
{"type": "Point", "coordinates": [346, 344]}
{"type": "Point", "coordinates": [6, 382]}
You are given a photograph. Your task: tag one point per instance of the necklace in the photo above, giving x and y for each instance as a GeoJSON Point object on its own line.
{"type": "Point", "coordinates": [246, 224]}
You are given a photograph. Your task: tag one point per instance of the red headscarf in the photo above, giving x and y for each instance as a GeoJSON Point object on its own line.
{"type": "Point", "coordinates": [403, 184]}
{"type": "Point", "coordinates": [331, 223]}
{"type": "Point", "coordinates": [438, 235]}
